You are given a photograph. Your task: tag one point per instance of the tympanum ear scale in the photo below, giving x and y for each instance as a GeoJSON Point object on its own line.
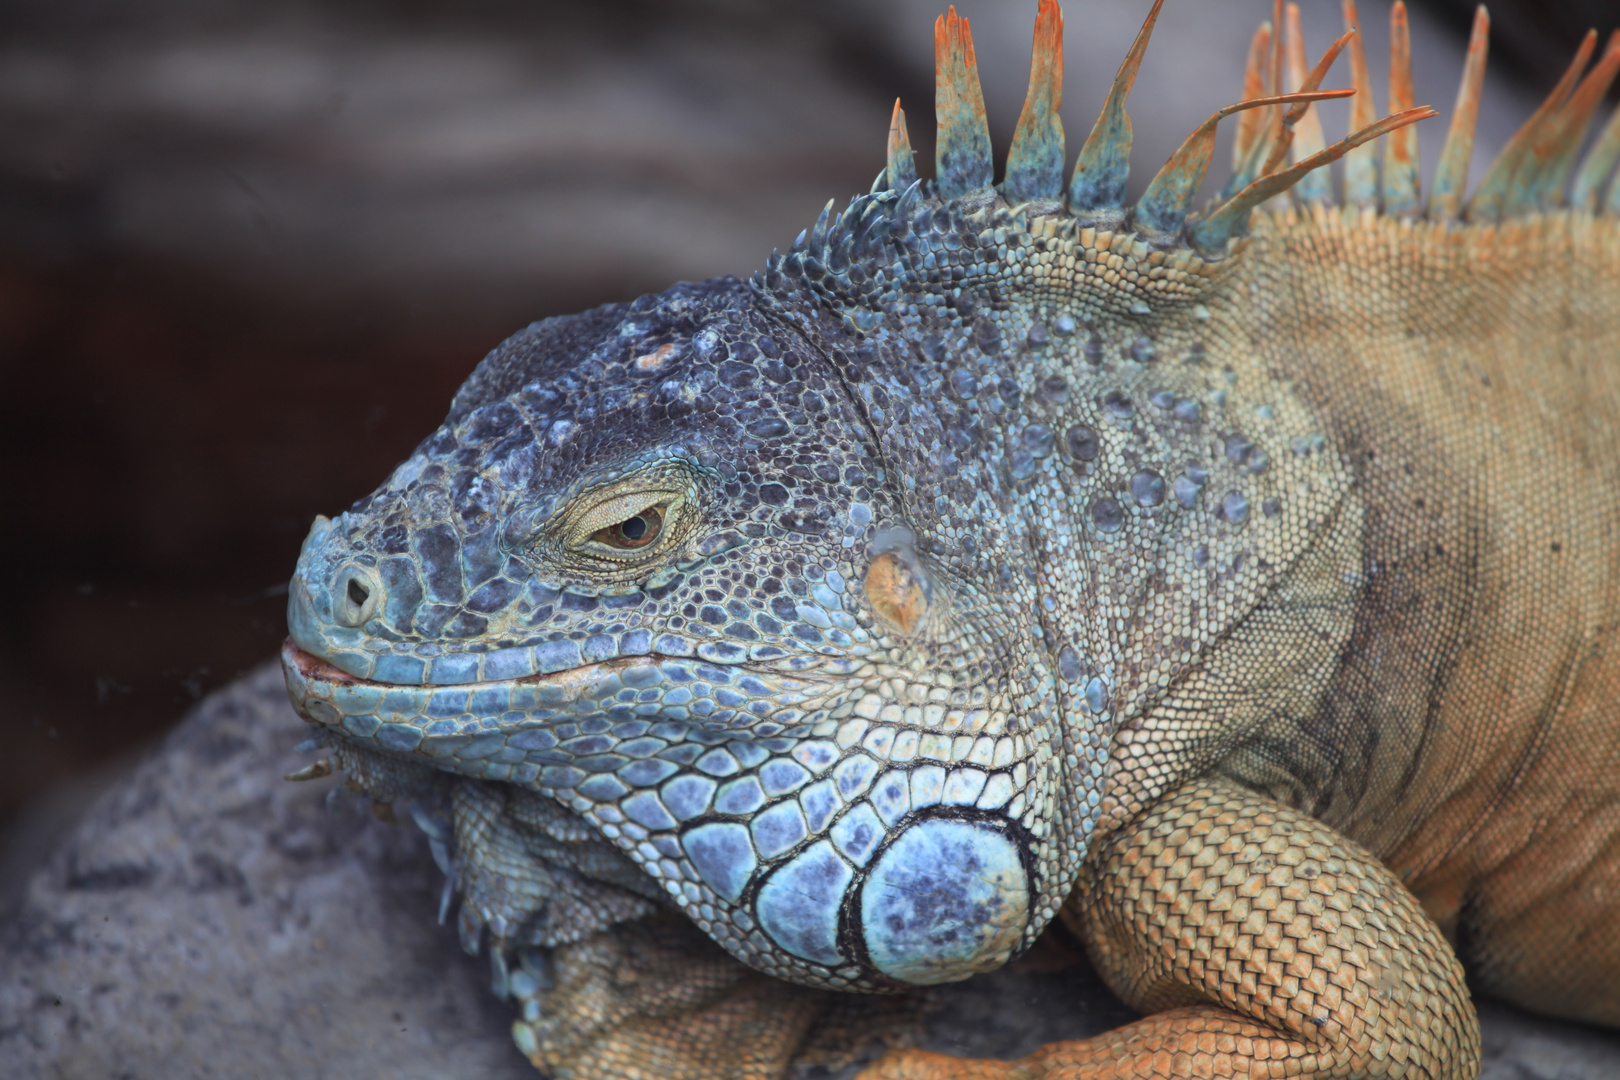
{"type": "Point", "coordinates": [895, 593]}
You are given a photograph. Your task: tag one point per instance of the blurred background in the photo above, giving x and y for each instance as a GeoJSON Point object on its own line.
{"type": "Point", "coordinates": [248, 250]}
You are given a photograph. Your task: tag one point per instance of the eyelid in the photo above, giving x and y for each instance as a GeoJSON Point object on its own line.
{"type": "Point", "coordinates": [619, 508]}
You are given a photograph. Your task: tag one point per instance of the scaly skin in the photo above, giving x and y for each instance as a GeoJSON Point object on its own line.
{"type": "Point", "coordinates": [1252, 604]}
{"type": "Point", "coordinates": [1250, 931]}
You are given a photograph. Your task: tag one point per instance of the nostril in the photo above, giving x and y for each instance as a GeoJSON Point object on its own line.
{"type": "Point", "coordinates": [356, 596]}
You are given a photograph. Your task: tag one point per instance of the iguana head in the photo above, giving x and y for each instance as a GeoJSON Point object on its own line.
{"type": "Point", "coordinates": [756, 577]}
{"type": "Point", "coordinates": [656, 564]}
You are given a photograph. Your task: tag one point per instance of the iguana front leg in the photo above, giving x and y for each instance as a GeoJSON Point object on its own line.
{"type": "Point", "coordinates": [1263, 944]}
{"type": "Point", "coordinates": [656, 998]}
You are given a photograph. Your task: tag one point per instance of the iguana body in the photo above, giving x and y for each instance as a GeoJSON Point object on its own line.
{"type": "Point", "coordinates": [996, 552]}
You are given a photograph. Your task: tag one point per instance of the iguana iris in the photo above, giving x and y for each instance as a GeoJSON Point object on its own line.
{"type": "Point", "coordinates": [1240, 586]}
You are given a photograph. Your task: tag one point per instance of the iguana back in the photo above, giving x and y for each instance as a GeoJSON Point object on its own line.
{"type": "Point", "coordinates": [1469, 731]}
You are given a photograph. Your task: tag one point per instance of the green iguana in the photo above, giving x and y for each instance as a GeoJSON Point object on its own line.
{"type": "Point", "coordinates": [1239, 587]}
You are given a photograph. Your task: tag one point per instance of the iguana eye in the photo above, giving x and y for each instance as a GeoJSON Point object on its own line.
{"type": "Point", "coordinates": [635, 531]}
{"type": "Point", "coordinates": [626, 528]}
{"type": "Point", "coordinates": [624, 531]}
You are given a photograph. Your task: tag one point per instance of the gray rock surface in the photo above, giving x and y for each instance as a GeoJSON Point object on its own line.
{"type": "Point", "coordinates": [206, 919]}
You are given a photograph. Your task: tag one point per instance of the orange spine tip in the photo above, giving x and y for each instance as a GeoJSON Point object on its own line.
{"type": "Point", "coordinates": [1292, 116]}
{"type": "Point", "coordinates": [1400, 59]}
{"type": "Point", "coordinates": [1400, 194]}
{"type": "Point", "coordinates": [1594, 172]}
{"type": "Point", "coordinates": [1254, 86]}
{"type": "Point", "coordinates": [1494, 196]}
{"type": "Point", "coordinates": [962, 149]}
{"type": "Point", "coordinates": [1308, 139]}
{"type": "Point", "coordinates": [1364, 109]}
{"type": "Point", "coordinates": [1552, 153]}
{"type": "Point", "coordinates": [1035, 159]}
{"type": "Point", "coordinates": [1361, 163]}
{"type": "Point", "coordinates": [901, 162]}
{"type": "Point", "coordinates": [1308, 132]}
{"type": "Point", "coordinates": [1103, 166]}
{"type": "Point", "coordinates": [1451, 177]}
{"type": "Point", "coordinates": [1274, 84]}
{"type": "Point", "coordinates": [1277, 134]}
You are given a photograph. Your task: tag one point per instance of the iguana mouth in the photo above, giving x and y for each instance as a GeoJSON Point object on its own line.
{"type": "Point", "coordinates": [316, 669]}
{"type": "Point", "coordinates": [457, 721]}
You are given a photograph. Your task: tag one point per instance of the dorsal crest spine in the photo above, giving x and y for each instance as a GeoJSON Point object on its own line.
{"type": "Point", "coordinates": [873, 243]}
{"type": "Point", "coordinates": [962, 159]}
{"type": "Point", "coordinates": [1035, 160]}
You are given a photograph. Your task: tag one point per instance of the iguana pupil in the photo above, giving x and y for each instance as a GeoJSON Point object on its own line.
{"type": "Point", "coordinates": [633, 532]}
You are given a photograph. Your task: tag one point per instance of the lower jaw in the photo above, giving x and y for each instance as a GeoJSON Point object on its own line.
{"type": "Point", "coordinates": [523, 742]}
